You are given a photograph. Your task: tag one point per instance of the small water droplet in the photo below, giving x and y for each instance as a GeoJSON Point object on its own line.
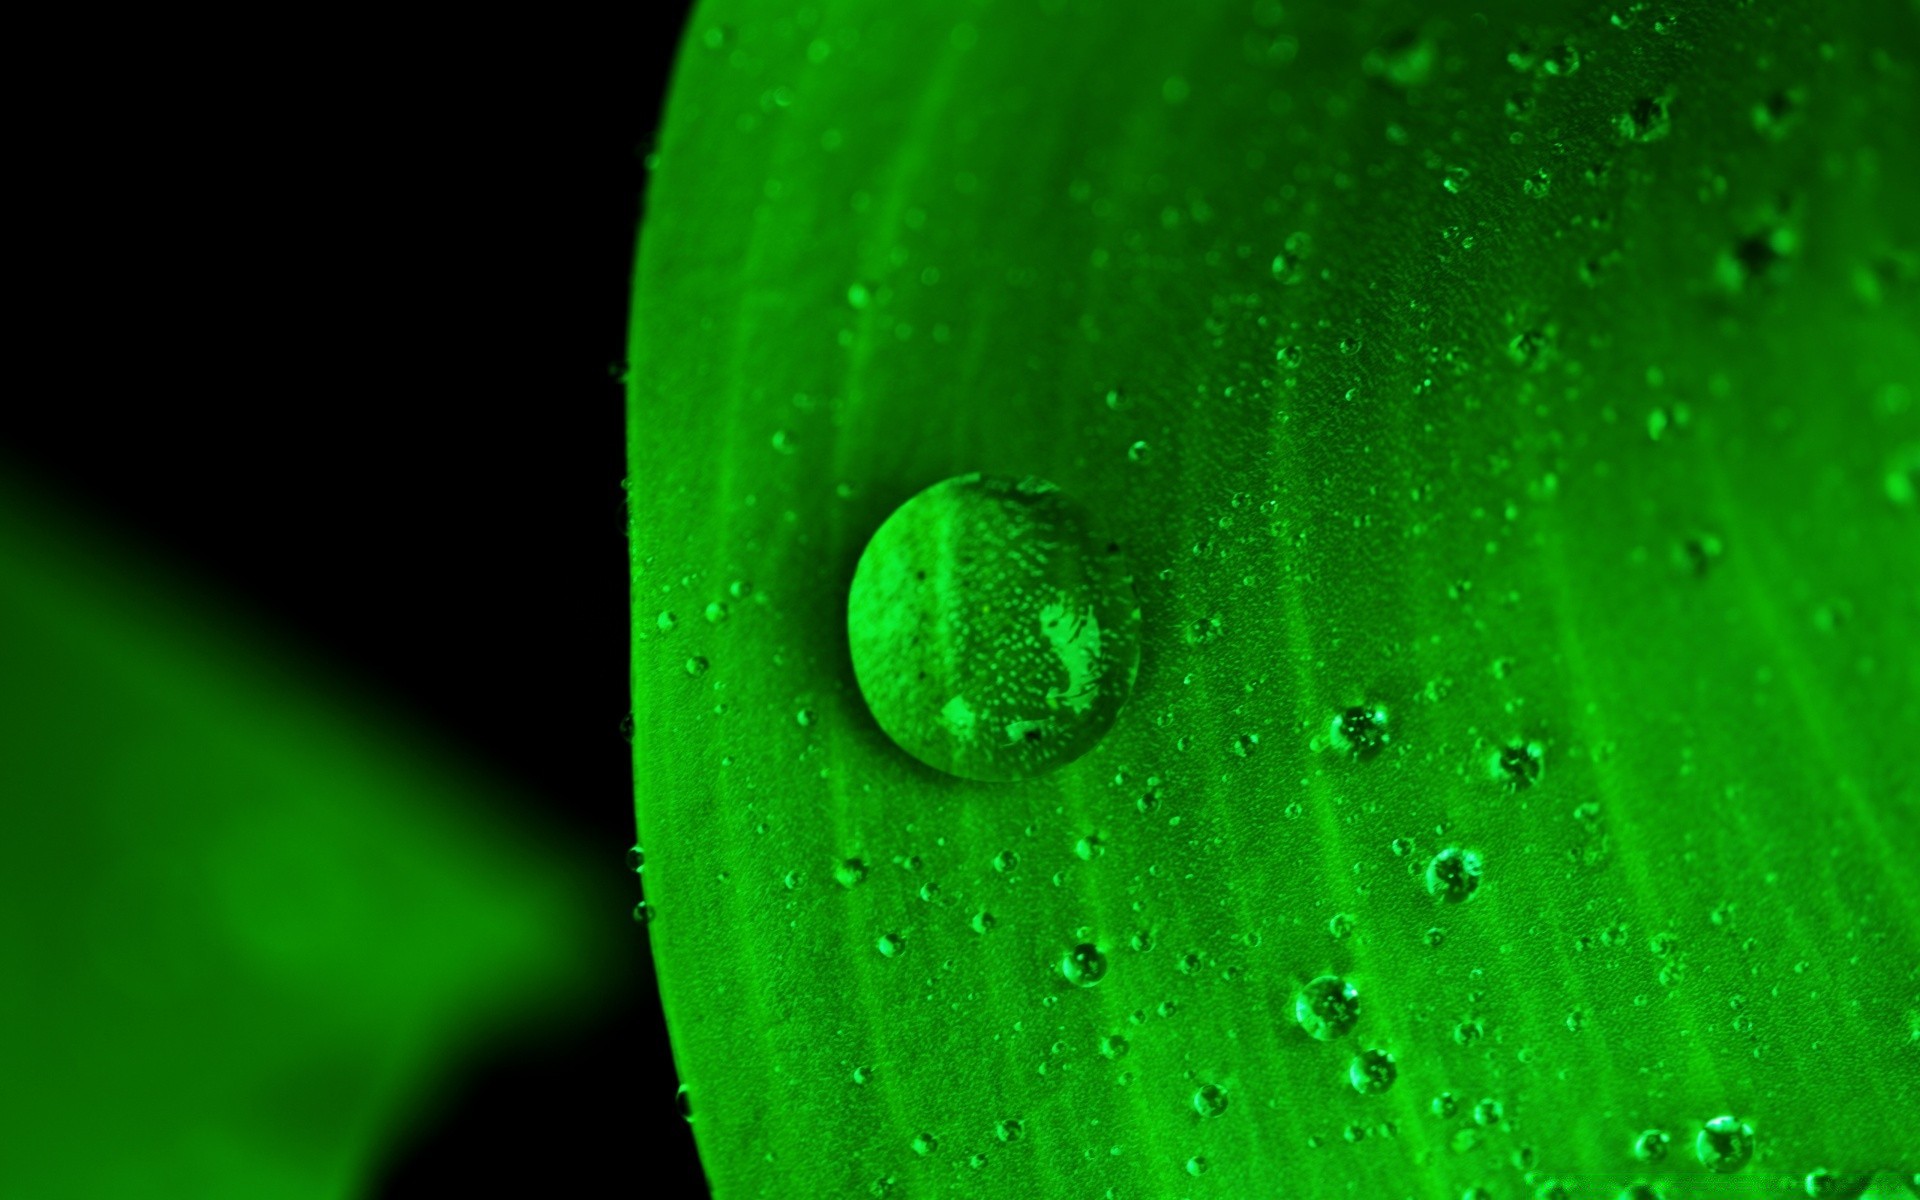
{"type": "Point", "coordinates": [1821, 1183]}
{"type": "Point", "coordinates": [697, 666]}
{"type": "Point", "coordinates": [1518, 764]}
{"type": "Point", "coordinates": [1646, 120]}
{"type": "Point", "coordinates": [1009, 1131]}
{"type": "Point", "coordinates": [994, 633]}
{"type": "Point", "coordinates": [1327, 1008]}
{"type": "Point", "coordinates": [1651, 1146]}
{"type": "Point", "coordinates": [1115, 1046]}
{"type": "Point", "coordinates": [891, 945]}
{"type": "Point", "coordinates": [1139, 452]}
{"type": "Point", "coordinates": [1084, 965]}
{"type": "Point", "coordinates": [1360, 731]}
{"type": "Point", "coordinates": [1372, 1072]}
{"type": "Point", "coordinates": [643, 913]}
{"type": "Point", "coordinates": [683, 1103]}
{"type": "Point", "coordinates": [861, 1074]}
{"type": "Point", "coordinates": [1724, 1144]}
{"type": "Point", "coordinates": [1210, 1100]}
{"type": "Point", "coordinates": [850, 873]}
{"type": "Point", "coordinates": [1445, 1106]}
{"type": "Point", "coordinates": [1197, 1165]}
{"type": "Point", "coordinates": [636, 860]}
{"type": "Point", "coordinates": [1489, 1113]}
{"type": "Point", "coordinates": [1453, 875]}
{"type": "Point", "coordinates": [1340, 925]}
{"type": "Point", "coordinates": [716, 612]}
{"type": "Point", "coordinates": [925, 1144]}
{"type": "Point", "coordinates": [666, 621]}
{"type": "Point", "coordinates": [1005, 861]}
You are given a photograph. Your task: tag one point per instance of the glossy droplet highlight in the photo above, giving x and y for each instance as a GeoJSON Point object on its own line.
{"type": "Point", "coordinates": [1724, 1144]}
{"type": "Point", "coordinates": [1084, 965]}
{"type": "Point", "coordinates": [994, 632]}
{"type": "Point", "coordinates": [1327, 1008]}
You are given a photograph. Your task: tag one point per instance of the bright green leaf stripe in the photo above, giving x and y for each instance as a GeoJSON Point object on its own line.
{"type": "Point", "coordinates": [1596, 440]}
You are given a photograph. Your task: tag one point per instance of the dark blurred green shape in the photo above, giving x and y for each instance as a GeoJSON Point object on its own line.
{"type": "Point", "coordinates": [247, 918]}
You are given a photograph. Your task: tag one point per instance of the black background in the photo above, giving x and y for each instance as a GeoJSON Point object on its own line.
{"type": "Point", "coordinates": [332, 312]}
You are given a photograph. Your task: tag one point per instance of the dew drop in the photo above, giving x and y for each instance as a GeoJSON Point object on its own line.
{"type": "Point", "coordinates": [1340, 925]}
{"type": "Point", "coordinates": [994, 633]}
{"type": "Point", "coordinates": [1646, 120]}
{"type": "Point", "coordinates": [1360, 731]}
{"type": "Point", "coordinates": [1114, 1046]}
{"type": "Point", "coordinates": [1519, 764]}
{"type": "Point", "coordinates": [1009, 1131]}
{"type": "Point", "coordinates": [683, 1103]}
{"type": "Point", "coordinates": [1488, 1113]}
{"type": "Point", "coordinates": [1084, 965]}
{"type": "Point", "coordinates": [636, 860]}
{"type": "Point", "coordinates": [1651, 1146]}
{"type": "Point", "coordinates": [1197, 1165]}
{"type": "Point", "coordinates": [1327, 1008]}
{"type": "Point", "coordinates": [1821, 1183]}
{"type": "Point", "coordinates": [697, 665]}
{"type": "Point", "coordinates": [1724, 1144]}
{"type": "Point", "coordinates": [891, 945]}
{"type": "Point", "coordinates": [1445, 1106]}
{"type": "Point", "coordinates": [925, 1144]}
{"type": "Point", "coordinates": [643, 913]}
{"type": "Point", "coordinates": [861, 1074]}
{"type": "Point", "coordinates": [1372, 1072]}
{"type": "Point", "coordinates": [1210, 1100]}
{"type": "Point", "coordinates": [850, 873]}
{"type": "Point", "coordinates": [1453, 875]}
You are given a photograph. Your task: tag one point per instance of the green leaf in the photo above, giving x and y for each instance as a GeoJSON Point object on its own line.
{"type": "Point", "coordinates": [1508, 414]}
{"type": "Point", "coordinates": [251, 918]}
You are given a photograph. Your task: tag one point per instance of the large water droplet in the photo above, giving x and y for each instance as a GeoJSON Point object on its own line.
{"type": "Point", "coordinates": [994, 633]}
{"type": "Point", "coordinates": [1327, 1008]}
{"type": "Point", "coordinates": [1724, 1144]}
